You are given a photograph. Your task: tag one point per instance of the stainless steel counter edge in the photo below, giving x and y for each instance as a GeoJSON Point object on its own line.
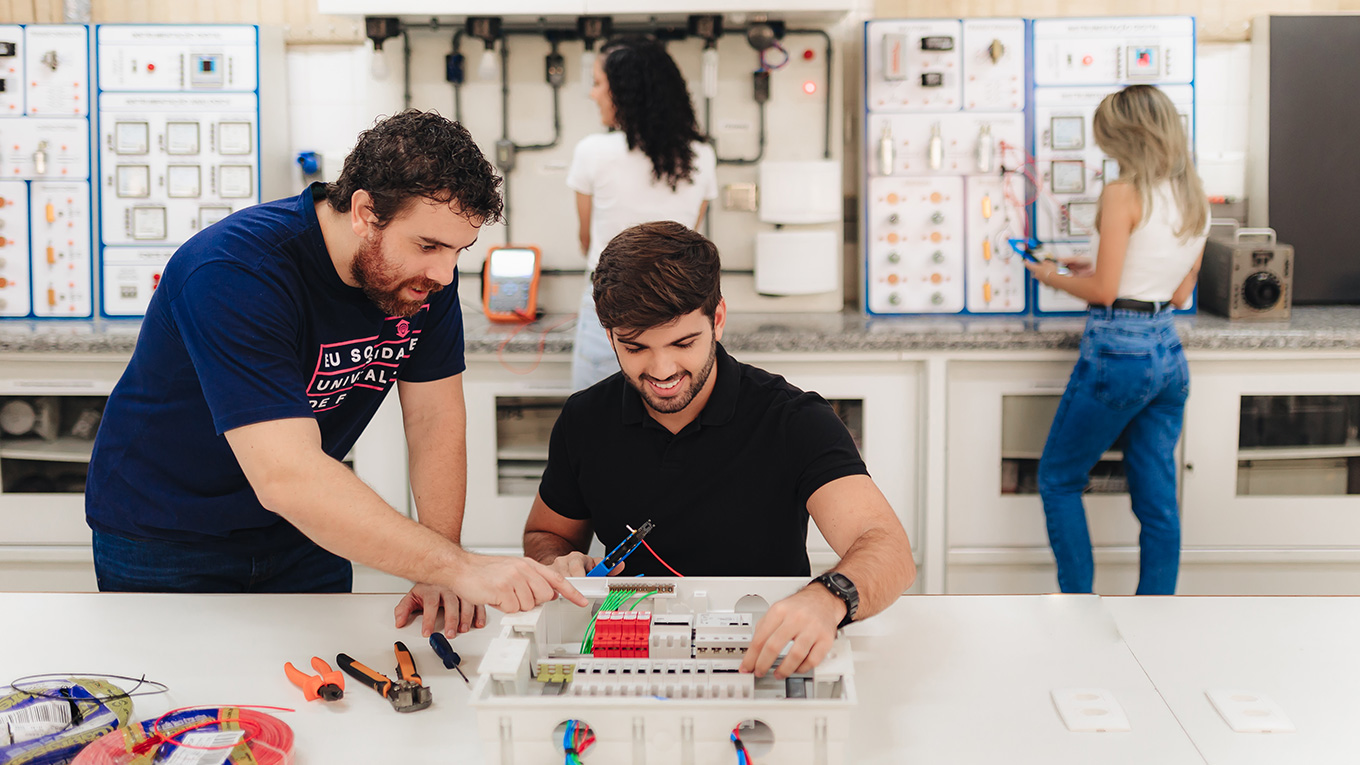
{"type": "Point", "coordinates": [1311, 328]}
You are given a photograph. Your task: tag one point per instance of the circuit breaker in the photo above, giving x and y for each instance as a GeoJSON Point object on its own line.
{"type": "Point", "coordinates": [181, 143]}
{"type": "Point", "coordinates": [46, 241]}
{"type": "Point", "coordinates": [650, 674]}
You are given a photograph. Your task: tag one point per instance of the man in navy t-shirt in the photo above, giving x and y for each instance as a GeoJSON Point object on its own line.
{"type": "Point", "coordinates": [266, 349]}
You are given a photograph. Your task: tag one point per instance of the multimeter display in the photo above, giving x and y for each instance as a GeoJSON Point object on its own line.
{"type": "Point", "coordinates": [510, 283]}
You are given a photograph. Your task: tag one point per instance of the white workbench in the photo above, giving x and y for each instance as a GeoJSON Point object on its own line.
{"type": "Point", "coordinates": [959, 679]}
{"type": "Point", "coordinates": [1302, 653]}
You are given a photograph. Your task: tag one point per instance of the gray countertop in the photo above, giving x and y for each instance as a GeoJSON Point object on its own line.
{"type": "Point", "coordinates": [1311, 328]}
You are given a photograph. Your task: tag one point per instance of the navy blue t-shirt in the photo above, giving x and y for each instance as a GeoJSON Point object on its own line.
{"type": "Point", "coordinates": [250, 323]}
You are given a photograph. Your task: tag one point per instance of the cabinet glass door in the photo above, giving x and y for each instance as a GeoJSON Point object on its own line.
{"type": "Point", "coordinates": [1298, 446]}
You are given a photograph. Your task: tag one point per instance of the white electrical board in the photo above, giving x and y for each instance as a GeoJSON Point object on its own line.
{"type": "Point", "coordinates": [656, 680]}
{"type": "Point", "coordinates": [946, 123]}
{"type": "Point", "coordinates": [1071, 168]}
{"type": "Point", "coordinates": [46, 239]}
{"type": "Point", "coordinates": [180, 140]}
{"type": "Point", "coordinates": [999, 111]}
{"type": "Point", "coordinates": [1114, 51]}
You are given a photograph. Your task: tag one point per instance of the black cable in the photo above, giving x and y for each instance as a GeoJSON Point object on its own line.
{"type": "Point", "coordinates": [458, 84]}
{"type": "Point", "coordinates": [760, 153]}
{"type": "Point", "coordinates": [70, 677]}
{"type": "Point", "coordinates": [406, 67]}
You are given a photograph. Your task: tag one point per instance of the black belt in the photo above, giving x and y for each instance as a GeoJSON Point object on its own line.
{"type": "Point", "coordinates": [1142, 306]}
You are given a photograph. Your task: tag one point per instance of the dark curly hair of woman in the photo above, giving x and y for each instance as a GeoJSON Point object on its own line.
{"type": "Point", "coordinates": [652, 106]}
{"type": "Point", "coordinates": [418, 154]}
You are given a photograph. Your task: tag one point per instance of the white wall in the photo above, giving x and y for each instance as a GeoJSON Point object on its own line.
{"type": "Point", "coordinates": [334, 95]}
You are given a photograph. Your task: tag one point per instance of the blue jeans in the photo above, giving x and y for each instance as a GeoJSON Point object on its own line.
{"type": "Point", "coordinates": [1128, 389]}
{"type": "Point", "coordinates": [592, 356]}
{"type": "Point", "coordinates": [279, 559]}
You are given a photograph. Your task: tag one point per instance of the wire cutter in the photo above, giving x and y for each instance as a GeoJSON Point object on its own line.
{"type": "Point", "coordinates": [622, 550]}
{"type": "Point", "coordinates": [327, 685]}
{"type": "Point", "coordinates": [406, 694]}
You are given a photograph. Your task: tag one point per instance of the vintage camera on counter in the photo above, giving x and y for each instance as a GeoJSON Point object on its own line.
{"type": "Point", "coordinates": [1246, 274]}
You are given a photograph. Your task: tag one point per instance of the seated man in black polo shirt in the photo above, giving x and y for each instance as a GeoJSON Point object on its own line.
{"type": "Point", "coordinates": [726, 459]}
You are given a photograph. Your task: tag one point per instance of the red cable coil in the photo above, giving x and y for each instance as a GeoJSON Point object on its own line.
{"type": "Point", "coordinates": [268, 738]}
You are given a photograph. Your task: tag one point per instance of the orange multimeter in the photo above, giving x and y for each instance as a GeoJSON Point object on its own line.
{"type": "Point", "coordinates": [510, 283]}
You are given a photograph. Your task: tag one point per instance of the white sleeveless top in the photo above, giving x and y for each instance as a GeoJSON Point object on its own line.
{"type": "Point", "coordinates": [1157, 261]}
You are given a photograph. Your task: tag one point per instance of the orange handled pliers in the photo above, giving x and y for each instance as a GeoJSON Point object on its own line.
{"type": "Point", "coordinates": [328, 685]}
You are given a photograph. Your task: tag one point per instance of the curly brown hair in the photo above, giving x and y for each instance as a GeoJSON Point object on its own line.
{"type": "Point", "coordinates": [418, 154]}
{"type": "Point", "coordinates": [654, 273]}
{"type": "Point", "coordinates": [652, 105]}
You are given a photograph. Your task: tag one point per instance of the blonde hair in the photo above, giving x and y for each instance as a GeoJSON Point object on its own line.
{"type": "Point", "coordinates": [1140, 128]}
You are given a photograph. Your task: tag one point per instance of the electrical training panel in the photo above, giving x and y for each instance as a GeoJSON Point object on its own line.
{"type": "Point", "coordinates": [179, 136]}
{"type": "Point", "coordinates": [978, 132]}
{"type": "Point", "coordinates": [46, 243]}
{"type": "Point", "coordinates": [1077, 62]}
{"type": "Point", "coordinates": [650, 672]}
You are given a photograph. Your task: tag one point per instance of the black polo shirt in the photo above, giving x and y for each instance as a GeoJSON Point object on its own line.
{"type": "Point", "coordinates": [728, 493]}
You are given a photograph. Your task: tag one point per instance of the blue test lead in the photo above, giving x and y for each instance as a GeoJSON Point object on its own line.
{"type": "Point", "coordinates": [622, 551]}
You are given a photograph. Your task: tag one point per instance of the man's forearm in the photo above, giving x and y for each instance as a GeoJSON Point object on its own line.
{"type": "Point", "coordinates": [440, 491]}
{"type": "Point", "coordinates": [338, 511]}
{"type": "Point", "coordinates": [545, 546]}
{"type": "Point", "coordinates": [881, 566]}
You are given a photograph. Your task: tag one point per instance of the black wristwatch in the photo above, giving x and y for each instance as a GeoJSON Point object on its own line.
{"type": "Point", "coordinates": [841, 586]}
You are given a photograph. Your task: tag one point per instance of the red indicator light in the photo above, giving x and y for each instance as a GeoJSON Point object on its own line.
{"type": "Point", "coordinates": [808, 55]}
{"type": "Point", "coordinates": [809, 87]}
{"type": "Point", "coordinates": [150, 67]}
{"type": "Point", "coordinates": [1087, 60]}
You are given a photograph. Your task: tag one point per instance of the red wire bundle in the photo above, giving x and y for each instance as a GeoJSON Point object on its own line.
{"type": "Point", "coordinates": [268, 738]}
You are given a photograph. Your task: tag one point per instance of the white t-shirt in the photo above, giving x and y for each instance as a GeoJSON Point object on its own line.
{"type": "Point", "coordinates": [624, 192]}
{"type": "Point", "coordinates": [1157, 261]}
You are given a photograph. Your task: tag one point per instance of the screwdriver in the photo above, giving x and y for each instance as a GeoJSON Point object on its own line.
{"type": "Point", "coordinates": [445, 651]}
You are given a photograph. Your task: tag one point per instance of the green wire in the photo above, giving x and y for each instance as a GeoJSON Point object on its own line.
{"type": "Point", "coordinates": [611, 602]}
{"type": "Point", "coordinates": [639, 599]}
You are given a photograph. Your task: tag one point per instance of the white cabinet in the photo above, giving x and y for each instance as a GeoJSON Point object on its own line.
{"type": "Point", "coordinates": [885, 399]}
{"type": "Point", "coordinates": [47, 410]}
{"type": "Point", "coordinates": [44, 540]}
{"type": "Point", "coordinates": [1285, 488]}
{"type": "Point", "coordinates": [510, 417]}
{"type": "Point", "coordinates": [999, 412]}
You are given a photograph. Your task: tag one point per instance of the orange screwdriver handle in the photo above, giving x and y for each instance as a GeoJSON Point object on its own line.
{"type": "Point", "coordinates": [406, 666]}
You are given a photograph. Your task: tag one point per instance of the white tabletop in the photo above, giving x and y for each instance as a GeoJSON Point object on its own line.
{"type": "Point", "coordinates": [1303, 653]}
{"type": "Point", "coordinates": [941, 679]}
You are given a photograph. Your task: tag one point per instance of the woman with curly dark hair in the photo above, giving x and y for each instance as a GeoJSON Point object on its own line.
{"type": "Point", "coordinates": [651, 165]}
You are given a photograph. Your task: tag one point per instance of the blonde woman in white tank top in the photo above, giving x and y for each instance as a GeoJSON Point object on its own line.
{"type": "Point", "coordinates": [1129, 387]}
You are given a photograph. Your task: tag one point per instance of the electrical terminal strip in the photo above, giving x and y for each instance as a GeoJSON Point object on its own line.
{"type": "Point", "coordinates": [671, 679]}
{"type": "Point", "coordinates": [722, 634]}
{"type": "Point", "coordinates": [555, 672]}
{"type": "Point", "coordinates": [660, 588]}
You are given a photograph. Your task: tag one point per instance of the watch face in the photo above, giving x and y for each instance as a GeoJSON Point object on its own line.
{"type": "Point", "coordinates": [841, 580]}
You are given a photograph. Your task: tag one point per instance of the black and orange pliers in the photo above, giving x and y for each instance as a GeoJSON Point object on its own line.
{"type": "Point", "coordinates": [327, 685]}
{"type": "Point", "coordinates": [406, 694]}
